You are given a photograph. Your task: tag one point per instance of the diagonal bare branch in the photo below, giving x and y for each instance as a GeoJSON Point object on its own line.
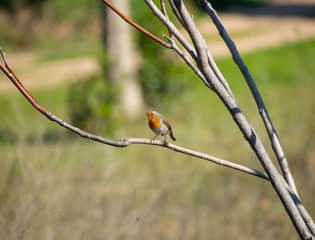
{"type": "Point", "coordinates": [187, 60]}
{"type": "Point", "coordinates": [241, 121]}
{"type": "Point", "coordinates": [176, 13]}
{"type": "Point", "coordinates": [181, 39]}
{"type": "Point", "coordinates": [255, 92]}
{"type": "Point", "coordinates": [187, 46]}
{"type": "Point", "coordinates": [275, 144]}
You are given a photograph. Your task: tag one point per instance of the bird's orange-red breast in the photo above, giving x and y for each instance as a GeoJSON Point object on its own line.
{"type": "Point", "coordinates": [159, 125]}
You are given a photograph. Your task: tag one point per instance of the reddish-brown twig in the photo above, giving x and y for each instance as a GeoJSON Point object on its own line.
{"type": "Point", "coordinates": [135, 25]}
{"type": "Point", "coordinates": [14, 79]}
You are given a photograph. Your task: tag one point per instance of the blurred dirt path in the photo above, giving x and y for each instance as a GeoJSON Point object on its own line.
{"type": "Point", "coordinates": [35, 74]}
{"type": "Point", "coordinates": [280, 22]}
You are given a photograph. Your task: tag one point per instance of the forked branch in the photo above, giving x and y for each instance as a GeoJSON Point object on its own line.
{"type": "Point", "coordinates": [210, 75]}
{"type": "Point", "coordinates": [207, 71]}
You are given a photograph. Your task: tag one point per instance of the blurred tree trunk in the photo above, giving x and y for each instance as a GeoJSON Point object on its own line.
{"type": "Point", "coordinates": [122, 56]}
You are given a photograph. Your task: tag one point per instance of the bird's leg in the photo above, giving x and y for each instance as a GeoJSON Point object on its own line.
{"type": "Point", "coordinates": [154, 138]}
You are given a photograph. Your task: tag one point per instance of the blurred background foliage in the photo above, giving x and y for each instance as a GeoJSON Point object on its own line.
{"type": "Point", "coordinates": [45, 24]}
{"type": "Point", "coordinates": [91, 103]}
{"type": "Point", "coordinates": [54, 185]}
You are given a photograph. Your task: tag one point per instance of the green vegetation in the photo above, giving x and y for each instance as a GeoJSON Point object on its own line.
{"type": "Point", "coordinates": [56, 185]}
{"type": "Point", "coordinates": [161, 75]}
{"type": "Point", "coordinates": [51, 28]}
{"type": "Point", "coordinates": [91, 104]}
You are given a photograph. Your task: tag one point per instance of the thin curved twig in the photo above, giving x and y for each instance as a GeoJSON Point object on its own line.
{"type": "Point", "coordinates": [135, 25]}
{"type": "Point", "coordinates": [14, 79]}
{"type": "Point", "coordinates": [163, 9]}
{"type": "Point", "coordinates": [123, 142]}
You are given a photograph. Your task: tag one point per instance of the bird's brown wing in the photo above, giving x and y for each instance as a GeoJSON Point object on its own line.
{"type": "Point", "coordinates": [169, 127]}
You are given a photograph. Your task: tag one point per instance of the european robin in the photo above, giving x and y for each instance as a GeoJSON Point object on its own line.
{"type": "Point", "coordinates": [159, 125]}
